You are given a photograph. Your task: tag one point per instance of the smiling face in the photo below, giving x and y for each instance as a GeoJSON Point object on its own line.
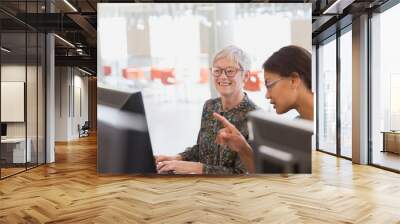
{"type": "Point", "coordinates": [228, 86]}
{"type": "Point", "coordinates": [281, 91]}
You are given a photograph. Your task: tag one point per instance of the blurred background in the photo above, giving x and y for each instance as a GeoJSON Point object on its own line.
{"type": "Point", "coordinates": [165, 50]}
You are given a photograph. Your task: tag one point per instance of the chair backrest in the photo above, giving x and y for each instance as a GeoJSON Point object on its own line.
{"type": "Point", "coordinates": [168, 76]}
{"type": "Point", "coordinates": [107, 70]}
{"type": "Point", "coordinates": [253, 83]}
{"type": "Point", "coordinates": [86, 125]}
{"type": "Point", "coordinates": [155, 73]}
{"type": "Point", "coordinates": [132, 73]}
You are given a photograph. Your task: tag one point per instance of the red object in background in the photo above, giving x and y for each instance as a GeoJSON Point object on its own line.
{"type": "Point", "coordinates": [155, 73]}
{"type": "Point", "coordinates": [253, 83]}
{"type": "Point", "coordinates": [107, 70]}
{"type": "Point", "coordinates": [132, 73]}
{"type": "Point", "coordinates": [204, 74]}
{"type": "Point", "coordinates": [167, 76]}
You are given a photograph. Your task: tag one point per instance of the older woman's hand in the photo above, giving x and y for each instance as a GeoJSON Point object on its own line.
{"type": "Point", "coordinates": [180, 167]}
{"type": "Point", "coordinates": [160, 158]}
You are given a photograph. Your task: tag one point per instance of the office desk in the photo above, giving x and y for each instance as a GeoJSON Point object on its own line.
{"type": "Point", "coordinates": [391, 141]}
{"type": "Point", "coordinates": [13, 150]}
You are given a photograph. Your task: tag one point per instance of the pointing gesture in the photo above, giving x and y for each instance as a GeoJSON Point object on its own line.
{"type": "Point", "coordinates": [224, 121]}
{"type": "Point", "coordinates": [230, 136]}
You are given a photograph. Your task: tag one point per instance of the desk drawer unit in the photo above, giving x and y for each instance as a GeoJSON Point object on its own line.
{"type": "Point", "coordinates": [19, 154]}
{"type": "Point", "coordinates": [6, 154]}
{"type": "Point", "coordinates": [391, 142]}
{"type": "Point", "coordinates": [13, 151]}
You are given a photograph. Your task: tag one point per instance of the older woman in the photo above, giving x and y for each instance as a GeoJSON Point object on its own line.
{"type": "Point", "coordinates": [287, 76]}
{"type": "Point", "coordinates": [230, 69]}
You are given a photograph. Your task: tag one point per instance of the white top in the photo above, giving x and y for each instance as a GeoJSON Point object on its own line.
{"type": "Point", "coordinates": [13, 140]}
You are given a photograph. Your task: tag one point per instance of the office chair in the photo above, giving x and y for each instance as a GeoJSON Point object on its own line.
{"type": "Point", "coordinates": [253, 83]}
{"type": "Point", "coordinates": [84, 130]}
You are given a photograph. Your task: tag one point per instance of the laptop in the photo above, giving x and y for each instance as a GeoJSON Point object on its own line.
{"type": "Point", "coordinates": [281, 145]}
{"type": "Point", "coordinates": [123, 140]}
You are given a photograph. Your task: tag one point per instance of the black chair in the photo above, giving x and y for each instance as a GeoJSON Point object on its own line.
{"type": "Point", "coordinates": [84, 130]}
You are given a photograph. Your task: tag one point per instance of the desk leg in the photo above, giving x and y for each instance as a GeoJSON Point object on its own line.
{"type": "Point", "coordinates": [384, 142]}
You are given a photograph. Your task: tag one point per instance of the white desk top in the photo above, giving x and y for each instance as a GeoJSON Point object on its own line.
{"type": "Point", "coordinates": [13, 140]}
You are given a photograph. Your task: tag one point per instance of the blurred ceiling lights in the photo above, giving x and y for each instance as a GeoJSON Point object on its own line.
{"type": "Point", "coordinates": [64, 40]}
{"type": "Point", "coordinates": [5, 50]}
{"type": "Point", "coordinates": [70, 5]}
{"type": "Point", "coordinates": [84, 71]}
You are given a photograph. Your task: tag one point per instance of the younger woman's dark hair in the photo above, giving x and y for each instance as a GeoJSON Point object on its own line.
{"type": "Point", "coordinates": [291, 59]}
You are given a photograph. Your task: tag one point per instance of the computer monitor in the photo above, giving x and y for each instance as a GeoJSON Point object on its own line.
{"type": "Point", "coordinates": [123, 140]}
{"type": "Point", "coordinates": [3, 129]}
{"type": "Point", "coordinates": [280, 145]}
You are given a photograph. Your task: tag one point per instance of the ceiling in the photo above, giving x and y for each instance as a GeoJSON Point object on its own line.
{"type": "Point", "coordinates": [76, 22]}
{"type": "Point", "coordinates": [332, 15]}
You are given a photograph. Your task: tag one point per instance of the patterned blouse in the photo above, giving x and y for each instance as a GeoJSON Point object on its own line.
{"type": "Point", "coordinates": [217, 159]}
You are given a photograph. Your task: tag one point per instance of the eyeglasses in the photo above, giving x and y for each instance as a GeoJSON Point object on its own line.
{"type": "Point", "coordinates": [229, 71]}
{"type": "Point", "coordinates": [272, 84]}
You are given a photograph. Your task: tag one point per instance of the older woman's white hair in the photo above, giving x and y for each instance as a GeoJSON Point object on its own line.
{"type": "Point", "coordinates": [236, 54]}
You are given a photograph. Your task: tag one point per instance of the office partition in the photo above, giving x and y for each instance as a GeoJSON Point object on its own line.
{"type": "Point", "coordinates": [22, 77]}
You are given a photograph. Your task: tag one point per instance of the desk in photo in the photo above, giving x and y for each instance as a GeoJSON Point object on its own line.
{"type": "Point", "coordinates": [13, 150]}
{"type": "Point", "coordinates": [391, 141]}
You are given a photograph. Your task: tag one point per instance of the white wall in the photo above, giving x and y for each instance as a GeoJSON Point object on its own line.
{"type": "Point", "coordinates": [71, 94]}
{"type": "Point", "coordinates": [61, 103]}
{"type": "Point", "coordinates": [80, 110]}
{"type": "Point", "coordinates": [16, 73]}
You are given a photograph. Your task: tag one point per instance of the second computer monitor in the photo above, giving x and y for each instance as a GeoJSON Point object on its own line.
{"type": "Point", "coordinates": [280, 145]}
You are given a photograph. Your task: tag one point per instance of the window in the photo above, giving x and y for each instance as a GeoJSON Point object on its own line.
{"type": "Point", "coordinates": [346, 94]}
{"type": "Point", "coordinates": [385, 89]}
{"type": "Point", "coordinates": [327, 96]}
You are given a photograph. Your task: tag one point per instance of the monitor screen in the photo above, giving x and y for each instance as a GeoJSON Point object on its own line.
{"type": "Point", "coordinates": [280, 145]}
{"type": "Point", "coordinates": [3, 129]}
{"type": "Point", "coordinates": [124, 145]}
